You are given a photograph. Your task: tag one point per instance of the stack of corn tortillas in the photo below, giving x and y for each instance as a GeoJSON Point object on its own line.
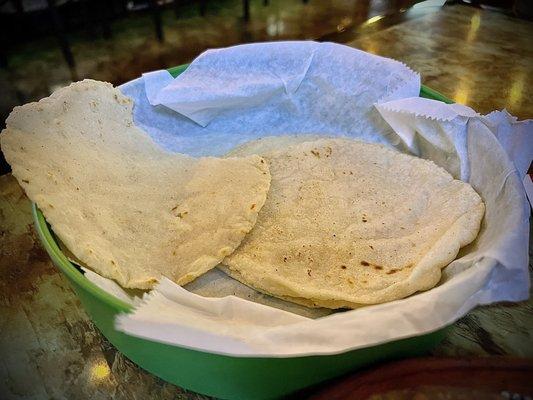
{"type": "Point", "coordinates": [323, 222]}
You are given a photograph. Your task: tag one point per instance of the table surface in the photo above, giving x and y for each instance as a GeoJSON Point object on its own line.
{"type": "Point", "coordinates": [50, 349]}
{"type": "Point", "coordinates": [475, 57]}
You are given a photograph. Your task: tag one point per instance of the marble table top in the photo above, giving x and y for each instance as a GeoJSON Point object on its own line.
{"type": "Point", "coordinates": [50, 349]}
{"type": "Point", "coordinates": [475, 57]}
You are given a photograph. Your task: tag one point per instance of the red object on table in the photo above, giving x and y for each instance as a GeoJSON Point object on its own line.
{"type": "Point", "coordinates": [495, 377]}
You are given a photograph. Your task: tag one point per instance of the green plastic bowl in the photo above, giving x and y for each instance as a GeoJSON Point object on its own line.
{"type": "Point", "coordinates": [217, 375]}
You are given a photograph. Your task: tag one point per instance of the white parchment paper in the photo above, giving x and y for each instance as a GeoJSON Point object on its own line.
{"type": "Point", "coordinates": [230, 96]}
{"type": "Point", "coordinates": [472, 147]}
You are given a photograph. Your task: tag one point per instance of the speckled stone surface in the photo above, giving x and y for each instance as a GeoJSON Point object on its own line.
{"type": "Point", "coordinates": [50, 349]}
{"type": "Point", "coordinates": [475, 57]}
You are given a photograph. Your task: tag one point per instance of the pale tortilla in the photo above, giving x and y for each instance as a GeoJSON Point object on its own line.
{"type": "Point", "coordinates": [349, 223]}
{"type": "Point", "coordinates": [268, 144]}
{"type": "Point", "coordinates": [126, 208]}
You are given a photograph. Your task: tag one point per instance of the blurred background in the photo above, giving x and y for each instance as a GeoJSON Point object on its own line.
{"type": "Point", "coordinates": [46, 44]}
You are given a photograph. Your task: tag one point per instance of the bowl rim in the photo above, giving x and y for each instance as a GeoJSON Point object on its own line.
{"type": "Point", "coordinates": [59, 258]}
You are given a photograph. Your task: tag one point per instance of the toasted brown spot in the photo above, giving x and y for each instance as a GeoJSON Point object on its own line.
{"type": "Point", "coordinates": [315, 153]}
{"type": "Point", "coordinates": [378, 267]}
{"type": "Point", "coordinates": [252, 206]}
{"type": "Point", "coordinates": [174, 208]}
{"type": "Point", "coordinates": [284, 259]}
{"type": "Point", "coordinates": [364, 281]}
{"type": "Point", "coordinates": [343, 266]}
{"type": "Point", "coordinates": [309, 272]}
{"type": "Point", "coordinates": [365, 263]}
{"type": "Point", "coordinates": [112, 262]}
{"type": "Point", "coordinates": [371, 247]}
{"type": "Point", "coordinates": [392, 271]}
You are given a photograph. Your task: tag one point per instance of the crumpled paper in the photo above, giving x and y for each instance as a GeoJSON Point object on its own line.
{"type": "Point", "coordinates": [229, 96]}
{"type": "Point", "coordinates": [515, 137]}
{"type": "Point", "coordinates": [493, 268]}
{"type": "Point", "coordinates": [213, 283]}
